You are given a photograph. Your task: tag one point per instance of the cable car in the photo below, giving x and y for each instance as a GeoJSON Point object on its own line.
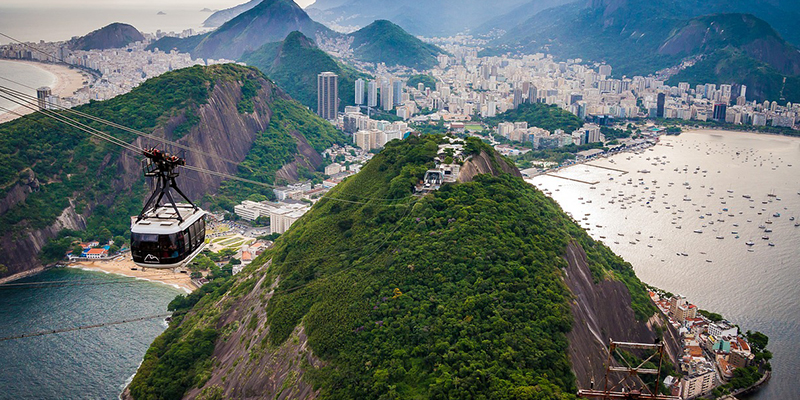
{"type": "Point", "coordinates": [168, 235]}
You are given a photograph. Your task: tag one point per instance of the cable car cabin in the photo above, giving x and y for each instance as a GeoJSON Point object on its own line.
{"type": "Point", "coordinates": [161, 240]}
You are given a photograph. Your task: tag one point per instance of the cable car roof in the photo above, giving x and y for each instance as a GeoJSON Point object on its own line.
{"type": "Point", "coordinates": [164, 219]}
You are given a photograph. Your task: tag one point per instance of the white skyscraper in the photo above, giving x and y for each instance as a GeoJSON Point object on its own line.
{"type": "Point", "coordinates": [387, 97]}
{"type": "Point", "coordinates": [372, 94]}
{"type": "Point", "coordinates": [359, 99]}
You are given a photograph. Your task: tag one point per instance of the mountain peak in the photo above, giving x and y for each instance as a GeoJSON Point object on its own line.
{"type": "Point", "coordinates": [111, 36]}
{"type": "Point", "coordinates": [386, 42]}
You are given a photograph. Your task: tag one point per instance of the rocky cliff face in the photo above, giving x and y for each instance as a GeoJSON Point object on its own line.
{"type": "Point", "coordinates": [18, 250]}
{"type": "Point", "coordinates": [602, 311]}
{"type": "Point", "coordinates": [483, 163]}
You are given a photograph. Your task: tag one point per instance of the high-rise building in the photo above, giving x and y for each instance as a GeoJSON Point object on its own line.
{"type": "Point", "coordinates": [532, 93]}
{"type": "Point", "coordinates": [359, 99]}
{"type": "Point", "coordinates": [605, 70]}
{"type": "Point", "coordinates": [387, 98]}
{"type": "Point", "coordinates": [397, 91]}
{"type": "Point", "coordinates": [372, 94]}
{"type": "Point", "coordinates": [517, 97]}
{"type": "Point", "coordinates": [42, 94]}
{"type": "Point", "coordinates": [720, 111]}
{"type": "Point", "coordinates": [660, 103]}
{"type": "Point", "coordinates": [327, 95]}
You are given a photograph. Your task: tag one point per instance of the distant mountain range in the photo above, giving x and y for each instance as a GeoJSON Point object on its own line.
{"type": "Point", "coordinates": [639, 38]}
{"type": "Point", "coordinates": [294, 64]}
{"type": "Point", "coordinates": [111, 36]}
{"type": "Point", "coordinates": [269, 21]}
{"type": "Point", "coordinates": [222, 16]}
{"type": "Point", "coordinates": [429, 18]}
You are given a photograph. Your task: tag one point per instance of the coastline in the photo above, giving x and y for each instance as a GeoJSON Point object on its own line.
{"type": "Point", "coordinates": [122, 266]}
{"type": "Point", "coordinates": [67, 81]}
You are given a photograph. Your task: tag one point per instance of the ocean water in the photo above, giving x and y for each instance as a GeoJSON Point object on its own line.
{"type": "Point", "coordinates": [28, 74]}
{"type": "Point", "coordinates": [654, 215]}
{"type": "Point", "coordinates": [86, 364]}
{"type": "Point", "coordinates": [59, 22]}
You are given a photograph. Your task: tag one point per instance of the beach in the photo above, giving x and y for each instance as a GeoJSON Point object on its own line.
{"type": "Point", "coordinates": [66, 81]}
{"type": "Point", "coordinates": [122, 266]}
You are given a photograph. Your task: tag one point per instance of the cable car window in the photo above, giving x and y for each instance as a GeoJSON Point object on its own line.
{"type": "Point", "coordinates": [189, 244]}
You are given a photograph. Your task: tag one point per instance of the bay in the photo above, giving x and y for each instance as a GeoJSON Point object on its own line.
{"type": "Point", "coordinates": [690, 181]}
{"type": "Point", "coordinates": [87, 364]}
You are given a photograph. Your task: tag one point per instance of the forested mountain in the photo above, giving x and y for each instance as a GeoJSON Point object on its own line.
{"type": "Point", "coordinates": [428, 18]}
{"type": "Point", "coordinates": [482, 289]}
{"type": "Point", "coordinates": [55, 177]}
{"type": "Point", "coordinates": [737, 48]}
{"type": "Point", "coordinates": [639, 38]}
{"type": "Point", "coordinates": [383, 41]}
{"type": "Point", "coordinates": [269, 21]}
{"type": "Point", "coordinates": [111, 36]}
{"type": "Point", "coordinates": [294, 64]}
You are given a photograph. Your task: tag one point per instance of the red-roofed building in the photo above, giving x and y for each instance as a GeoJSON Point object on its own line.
{"type": "Point", "coordinates": [97, 253]}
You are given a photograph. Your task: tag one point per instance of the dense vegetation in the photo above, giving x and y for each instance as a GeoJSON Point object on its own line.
{"type": "Point", "coordinates": [73, 168]}
{"type": "Point", "coordinates": [427, 81]}
{"type": "Point", "coordinates": [457, 294]}
{"type": "Point", "coordinates": [385, 42]}
{"type": "Point", "coordinates": [294, 64]}
{"type": "Point", "coordinates": [69, 164]}
{"type": "Point", "coordinates": [545, 116]}
{"type": "Point", "coordinates": [177, 358]}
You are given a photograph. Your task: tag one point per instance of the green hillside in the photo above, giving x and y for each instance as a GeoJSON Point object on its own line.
{"type": "Point", "coordinates": [294, 65]}
{"type": "Point", "coordinates": [457, 294]}
{"type": "Point", "coordinates": [545, 116]}
{"type": "Point", "coordinates": [73, 168]}
{"type": "Point", "coordinates": [383, 41]}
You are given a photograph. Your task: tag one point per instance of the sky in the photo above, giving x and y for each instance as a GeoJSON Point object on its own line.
{"type": "Point", "coordinates": [212, 4]}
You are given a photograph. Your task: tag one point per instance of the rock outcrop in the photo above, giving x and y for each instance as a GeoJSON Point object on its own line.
{"type": "Point", "coordinates": [602, 311]}
{"type": "Point", "coordinates": [483, 163]}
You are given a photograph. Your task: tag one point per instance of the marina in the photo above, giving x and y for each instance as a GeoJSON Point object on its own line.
{"type": "Point", "coordinates": [698, 225]}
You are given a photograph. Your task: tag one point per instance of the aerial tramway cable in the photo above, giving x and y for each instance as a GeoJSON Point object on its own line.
{"type": "Point", "coordinates": [110, 138]}
{"type": "Point", "coordinates": [83, 327]}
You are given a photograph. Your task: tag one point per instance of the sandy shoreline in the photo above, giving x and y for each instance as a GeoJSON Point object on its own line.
{"type": "Point", "coordinates": [67, 82]}
{"type": "Point", "coordinates": [123, 267]}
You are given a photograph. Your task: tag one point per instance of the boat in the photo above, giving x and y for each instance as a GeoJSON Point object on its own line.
{"type": "Point", "coordinates": [771, 244]}
{"type": "Point", "coordinates": [777, 215]}
{"type": "Point", "coordinates": [698, 231]}
{"type": "Point", "coordinates": [750, 243]}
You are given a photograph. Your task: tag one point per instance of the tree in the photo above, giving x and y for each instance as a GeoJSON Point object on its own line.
{"type": "Point", "coordinates": [120, 241]}
{"type": "Point", "coordinates": [77, 250]}
{"type": "Point", "coordinates": [104, 236]}
{"type": "Point", "coordinates": [3, 269]}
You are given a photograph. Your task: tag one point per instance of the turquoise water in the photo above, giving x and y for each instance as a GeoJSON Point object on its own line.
{"type": "Point", "coordinates": [87, 364]}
